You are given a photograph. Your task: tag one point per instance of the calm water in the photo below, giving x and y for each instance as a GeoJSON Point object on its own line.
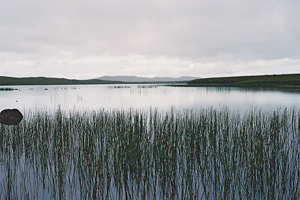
{"type": "Point", "coordinates": [201, 153]}
{"type": "Point", "coordinates": [93, 97]}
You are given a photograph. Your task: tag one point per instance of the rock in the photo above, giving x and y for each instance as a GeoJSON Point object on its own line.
{"type": "Point", "coordinates": [10, 117]}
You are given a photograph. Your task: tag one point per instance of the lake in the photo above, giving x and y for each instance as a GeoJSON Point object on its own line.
{"type": "Point", "coordinates": [94, 97]}
{"type": "Point", "coordinates": [150, 142]}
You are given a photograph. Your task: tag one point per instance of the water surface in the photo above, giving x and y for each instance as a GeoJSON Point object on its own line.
{"type": "Point", "coordinates": [94, 97]}
{"type": "Point", "coordinates": [200, 149]}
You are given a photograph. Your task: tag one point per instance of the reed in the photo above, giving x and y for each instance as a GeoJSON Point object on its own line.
{"type": "Point", "coordinates": [211, 153]}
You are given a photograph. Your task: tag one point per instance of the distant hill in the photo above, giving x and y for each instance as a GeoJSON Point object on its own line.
{"type": "Point", "coordinates": [4, 80]}
{"type": "Point", "coordinates": [290, 81]}
{"type": "Point", "coordinates": [133, 79]}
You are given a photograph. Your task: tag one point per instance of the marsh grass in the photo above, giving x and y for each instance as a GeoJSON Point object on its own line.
{"type": "Point", "coordinates": [116, 154]}
{"type": "Point", "coordinates": [8, 89]}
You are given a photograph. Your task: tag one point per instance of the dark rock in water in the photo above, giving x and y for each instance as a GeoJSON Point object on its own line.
{"type": "Point", "coordinates": [10, 117]}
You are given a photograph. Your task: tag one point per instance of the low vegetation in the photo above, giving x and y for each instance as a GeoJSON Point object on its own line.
{"type": "Point", "coordinates": [8, 89]}
{"type": "Point", "coordinates": [286, 81]}
{"type": "Point", "coordinates": [204, 154]}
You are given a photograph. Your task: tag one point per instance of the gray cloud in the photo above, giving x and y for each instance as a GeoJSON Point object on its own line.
{"type": "Point", "coordinates": [40, 37]}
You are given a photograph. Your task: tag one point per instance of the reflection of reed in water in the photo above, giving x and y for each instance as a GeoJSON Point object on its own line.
{"type": "Point", "coordinates": [208, 153]}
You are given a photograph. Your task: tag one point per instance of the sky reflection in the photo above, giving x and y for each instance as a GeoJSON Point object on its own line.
{"type": "Point", "coordinates": [94, 97]}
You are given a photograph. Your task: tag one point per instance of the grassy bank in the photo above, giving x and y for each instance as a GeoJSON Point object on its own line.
{"type": "Point", "coordinates": [286, 81]}
{"type": "Point", "coordinates": [193, 154]}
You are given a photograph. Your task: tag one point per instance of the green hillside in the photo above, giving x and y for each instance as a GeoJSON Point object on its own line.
{"type": "Point", "coordinates": [291, 81]}
{"type": "Point", "coordinates": [49, 81]}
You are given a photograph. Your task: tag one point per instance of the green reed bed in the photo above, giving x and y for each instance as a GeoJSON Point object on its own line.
{"type": "Point", "coordinates": [135, 154]}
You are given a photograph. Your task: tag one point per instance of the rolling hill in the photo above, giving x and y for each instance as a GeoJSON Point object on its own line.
{"type": "Point", "coordinates": [291, 81]}
{"type": "Point", "coordinates": [4, 80]}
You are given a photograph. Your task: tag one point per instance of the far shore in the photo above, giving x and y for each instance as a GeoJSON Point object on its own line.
{"type": "Point", "coordinates": [282, 82]}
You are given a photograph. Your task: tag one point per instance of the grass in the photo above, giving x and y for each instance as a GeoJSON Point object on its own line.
{"type": "Point", "coordinates": [193, 154]}
{"type": "Point", "coordinates": [285, 81]}
{"type": "Point", "coordinates": [119, 86]}
{"type": "Point", "coordinates": [8, 89]}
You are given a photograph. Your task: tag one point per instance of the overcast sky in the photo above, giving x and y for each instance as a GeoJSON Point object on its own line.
{"type": "Point", "coordinates": [205, 38]}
